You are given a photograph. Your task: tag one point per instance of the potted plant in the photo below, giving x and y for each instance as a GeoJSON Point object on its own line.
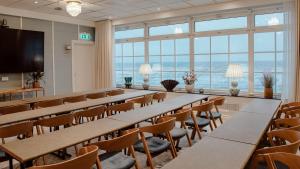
{"type": "Point", "coordinates": [189, 79]}
{"type": "Point", "coordinates": [128, 82]}
{"type": "Point", "coordinates": [268, 82]}
{"type": "Point", "coordinates": [35, 78]}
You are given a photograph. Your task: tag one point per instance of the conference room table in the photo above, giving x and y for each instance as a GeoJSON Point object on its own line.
{"type": "Point", "coordinates": [232, 144]}
{"type": "Point", "coordinates": [37, 146]}
{"type": "Point", "coordinates": [12, 103]}
{"type": "Point", "coordinates": [42, 112]}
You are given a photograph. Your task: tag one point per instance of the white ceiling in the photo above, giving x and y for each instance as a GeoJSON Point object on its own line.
{"type": "Point", "coordinates": [95, 10]}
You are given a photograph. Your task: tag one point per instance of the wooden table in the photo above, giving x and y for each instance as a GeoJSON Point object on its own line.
{"type": "Point", "coordinates": [212, 153]}
{"type": "Point", "coordinates": [12, 103]}
{"type": "Point", "coordinates": [37, 113]}
{"type": "Point", "coordinates": [34, 147]}
{"type": "Point", "coordinates": [262, 106]}
{"type": "Point", "coordinates": [139, 115]}
{"type": "Point", "coordinates": [22, 90]}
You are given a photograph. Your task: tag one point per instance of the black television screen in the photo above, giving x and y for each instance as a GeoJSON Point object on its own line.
{"type": "Point", "coordinates": [21, 51]}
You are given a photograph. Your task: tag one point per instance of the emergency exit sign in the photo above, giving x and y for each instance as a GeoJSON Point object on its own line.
{"type": "Point", "coordinates": [85, 36]}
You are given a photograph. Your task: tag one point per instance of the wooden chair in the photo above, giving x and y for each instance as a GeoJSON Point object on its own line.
{"type": "Point", "coordinates": [178, 133]}
{"type": "Point", "coordinates": [159, 97]}
{"type": "Point", "coordinates": [14, 109]}
{"type": "Point", "coordinates": [286, 123]}
{"type": "Point", "coordinates": [54, 123]}
{"type": "Point", "coordinates": [218, 101]}
{"type": "Point", "coordinates": [86, 159]}
{"type": "Point", "coordinates": [200, 122]}
{"type": "Point", "coordinates": [276, 160]}
{"type": "Point", "coordinates": [152, 145]}
{"type": "Point", "coordinates": [288, 112]}
{"type": "Point", "coordinates": [75, 99]}
{"type": "Point", "coordinates": [143, 101]}
{"type": "Point", "coordinates": [96, 95]}
{"type": "Point", "coordinates": [90, 114]}
{"type": "Point", "coordinates": [115, 92]}
{"type": "Point", "coordinates": [123, 107]}
{"type": "Point", "coordinates": [114, 158]}
{"type": "Point", "coordinates": [48, 103]}
{"type": "Point", "coordinates": [293, 137]}
{"type": "Point", "coordinates": [23, 129]}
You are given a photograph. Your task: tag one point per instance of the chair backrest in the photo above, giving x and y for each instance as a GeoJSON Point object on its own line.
{"type": "Point", "coordinates": [288, 122]}
{"type": "Point", "coordinates": [86, 159]}
{"type": "Point", "coordinates": [115, 92]}
{"type": "Point", "coordinates": [13, 130]}
{"type": "Point", "coordinates": [14, 109]}
{"type": "Point", "coordinates": [75, 99]}
{"type": "Point", "coordinates": [204, 107]}
{"type": "Point", "coordinates": [65, 120]}
{"type": "Point", "coordinates": [290, 160]}
{"type": "Point", "coordinates": [128, 138]}
{"type": "Point", "coordinates": [91, 114]}
{"type": "Point", "coordinates": [218, 101]}
{"type": "Point", "coordinates": [291, 104]}
{"type": "Point", "coordinates": [290, 111]}
{"type": "Point", "coordinates": [123, 107]}
{"type": "Point", "coordinates": [48, 103]}
{"type": "Point", "coordinates": [161, 96]}
{"type": "Point", "coordinates": [146, 100]}
{"type": "Point", "coordinates": [163, 125]}
{"type": "Point", "coordinates": [96, 95]}
{"type": "Point", "coordinates": [182, 115]}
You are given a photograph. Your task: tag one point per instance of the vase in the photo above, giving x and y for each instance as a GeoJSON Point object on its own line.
{"type": "Point", "coordinates": [189, 88]}
{"type": "Point", "coordinates": [128, 82]}
{"type": "Point", "coordinates": [36, 84]}
{"type": "Point", "coordinates": [268, 93]}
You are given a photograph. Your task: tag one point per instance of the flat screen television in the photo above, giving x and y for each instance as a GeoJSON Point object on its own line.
{"type": "Point", "coordinates": [21, 51]}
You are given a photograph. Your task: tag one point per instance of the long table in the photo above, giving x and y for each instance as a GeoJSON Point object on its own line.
{"type": "Point", "coordinates": [37, 113]}
{"type": "Point", "coordinates": [29, 149]}
{"type": "Point", "coordinates": [232, 144]}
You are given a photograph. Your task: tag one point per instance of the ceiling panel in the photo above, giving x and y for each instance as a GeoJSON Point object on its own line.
{"type": "Point", "coordinates": [95, 10]}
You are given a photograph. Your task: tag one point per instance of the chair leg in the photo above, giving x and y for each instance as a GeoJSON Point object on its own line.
{"type": "Point", "coordinates": [196, 127]}
{"type": "Point", "coordinates": [131, 151]}
{"type": "Point", "coordinates": [214, 122]}
{"type": "Point", "coordinates": [173, 149]}
{"type": "Point", "coordinates": [193, 134]}
{"type": "Point", "coordinates": [189, 140]}
{"type": "Point", "coordinates": [221, 120]}
{"type": "Point", "coordinates": [149, 157]}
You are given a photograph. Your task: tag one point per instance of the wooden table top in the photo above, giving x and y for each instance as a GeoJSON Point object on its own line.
{"type": "Point", "coordinates": [20, 90]}
{"type": "Point", "coordinates": [31, 148]}
{"type": "Point", "coordinates": [12, 103]}
{"type": "Point", "coordinates": [213, 153]}
{"type": "Point", "coordinates": [141, 114]}
{"type": "Point", "coordinates": [243, 127]}
{"type": "Point", "coordinates": [262, 106]}
{"type": "Point", "coordinates": [37, 113]}
{"type": "Point", "coordinates": [46, 98]}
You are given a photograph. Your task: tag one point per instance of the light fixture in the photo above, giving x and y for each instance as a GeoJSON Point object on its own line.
{"type": "Point", "coordinates": [73, 7]}
{"type": "Point", "coordinates": [36, 2]}
{"type": "Point", "coordinates": [234, 72]}
{"type": "Point", "coordinates": [146, 70]}
{"type": "Point", "coordinates": [178, 30]}
{"type": "Point", "coordinates": [273, 21]}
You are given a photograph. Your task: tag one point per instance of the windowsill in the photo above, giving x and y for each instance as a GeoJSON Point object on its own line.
{"type": "Point", "coordinates": [207, 92]}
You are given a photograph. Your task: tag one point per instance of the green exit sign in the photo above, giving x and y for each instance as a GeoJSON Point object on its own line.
{"type": "Point", "coordinates": [85, 36]}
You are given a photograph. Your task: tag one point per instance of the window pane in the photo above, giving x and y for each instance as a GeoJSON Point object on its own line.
{"type": "Point", "coordinates": [167, 47]}
{"type": "Point", "coordinates": [203, 80]}
{"type": "Point", "coordinates": [118, 50]}
{"type": "Point", "coordinates": [118, 63]}
{"type": "Point", "coordinates": [220, 24]}
{"type": "Point", "coordinates": [278, 82]}
{"type": "Point", "coordinates": [202, 63]}
{"type": "Point", "coordinates": [182, 46]}
{"type": "Point", "coordinates": [168, 75]}
{"type": "Point", "coordinates": [258, 85]}
{"type": "Point", "coordinates": [183, 63]}
{"type": "Point", "coordinates": [202, 45]}
{"type": "Point", "coordinates": [279, 41]}
{"type": "Point", "coordinates": [219, 81]}
{"type": "Point", "coordinates": [127, 63]}
{"type": "Point", "coordinates": [264, 42]}
{"type": "Point", "coordinates": [168, 63]}
{"type": "Point", "coordinates": [155, 79]}
{"type": "Point", "coordinates": [138, 78]}
{"type": "Point", "coordinates": [264, 62]}
{"type": "Point", "coordinates": [243, 82]}
{"type": "Point", "coordinates": [127, 49]}
{"type": "Point", "coordinates": [219, 44]}
{"type": "Point", "coordinates": [241, 59]}
{"type": "Point", "coordinates": [119, 77]}
{"type": "Point", "coordinates": [169, 29]}
{"type": "Point", "coordinates": [154, 48]}
{"type": "Point", "coordinates": [279, 62]}
{"type": "Point", "coordinates": [132, 33]}
{"type": "Point", "coordinates": [239, 43]}
{"type": "Point", "coordinates": [269, 19]}
{"type": "Point", "coordinates": [139, 49]}
{"type": "Point", "coordinates": [155, 63]}
{"type": "Point", "coordinates": [127, 73]}
{"type": "Point", "coordinates": [179, 79]}
{"type": "Point", "coordinates": [138, 61]}
{"type": "Point", "coordinates": [219, 63]}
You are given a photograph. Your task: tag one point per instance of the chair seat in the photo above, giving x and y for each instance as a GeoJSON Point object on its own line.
{"type": "Point", "coordinates": [3, 157]}
{"type": "Point", "coordinates": [177, 133]}
{"type": "Point", "coordinates": [279, 165]}
{"type": "Point", "coordinates": [155, 145]}
{"type": "Point", "coordinates": [116, 160]}
{"type": "Point", "coordinates": [202, 122]}
{"type": "Point", "coordinates": [215, 115]}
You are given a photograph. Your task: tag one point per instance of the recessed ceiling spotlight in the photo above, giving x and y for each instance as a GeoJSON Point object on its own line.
{"type": "Point", "coordinates": [36, 2]}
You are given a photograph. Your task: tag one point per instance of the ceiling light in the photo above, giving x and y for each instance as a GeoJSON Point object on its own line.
{"type": "Point", "coordinates": [73, 7]}
{"type": "Point", "coordinates": [178, 30]}
{"type": "Point", "coordinates": [36, 2]}
{"type": "Point", "coordinates": [273, 21]}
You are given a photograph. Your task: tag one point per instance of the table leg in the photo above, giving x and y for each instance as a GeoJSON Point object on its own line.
{"type": "Point", "coordinates": [11, 165]}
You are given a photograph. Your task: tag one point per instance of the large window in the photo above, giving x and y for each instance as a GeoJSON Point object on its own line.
{"type": "Point", "coordinates": [169, 59]}
{"type": "Point", "coordinates": [206, 45]}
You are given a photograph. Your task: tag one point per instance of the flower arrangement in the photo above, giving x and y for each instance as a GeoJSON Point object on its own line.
{"type": "Point", "coordinates": [189, 78]}
{"type": "Point", "coordinates": [267, 80]}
